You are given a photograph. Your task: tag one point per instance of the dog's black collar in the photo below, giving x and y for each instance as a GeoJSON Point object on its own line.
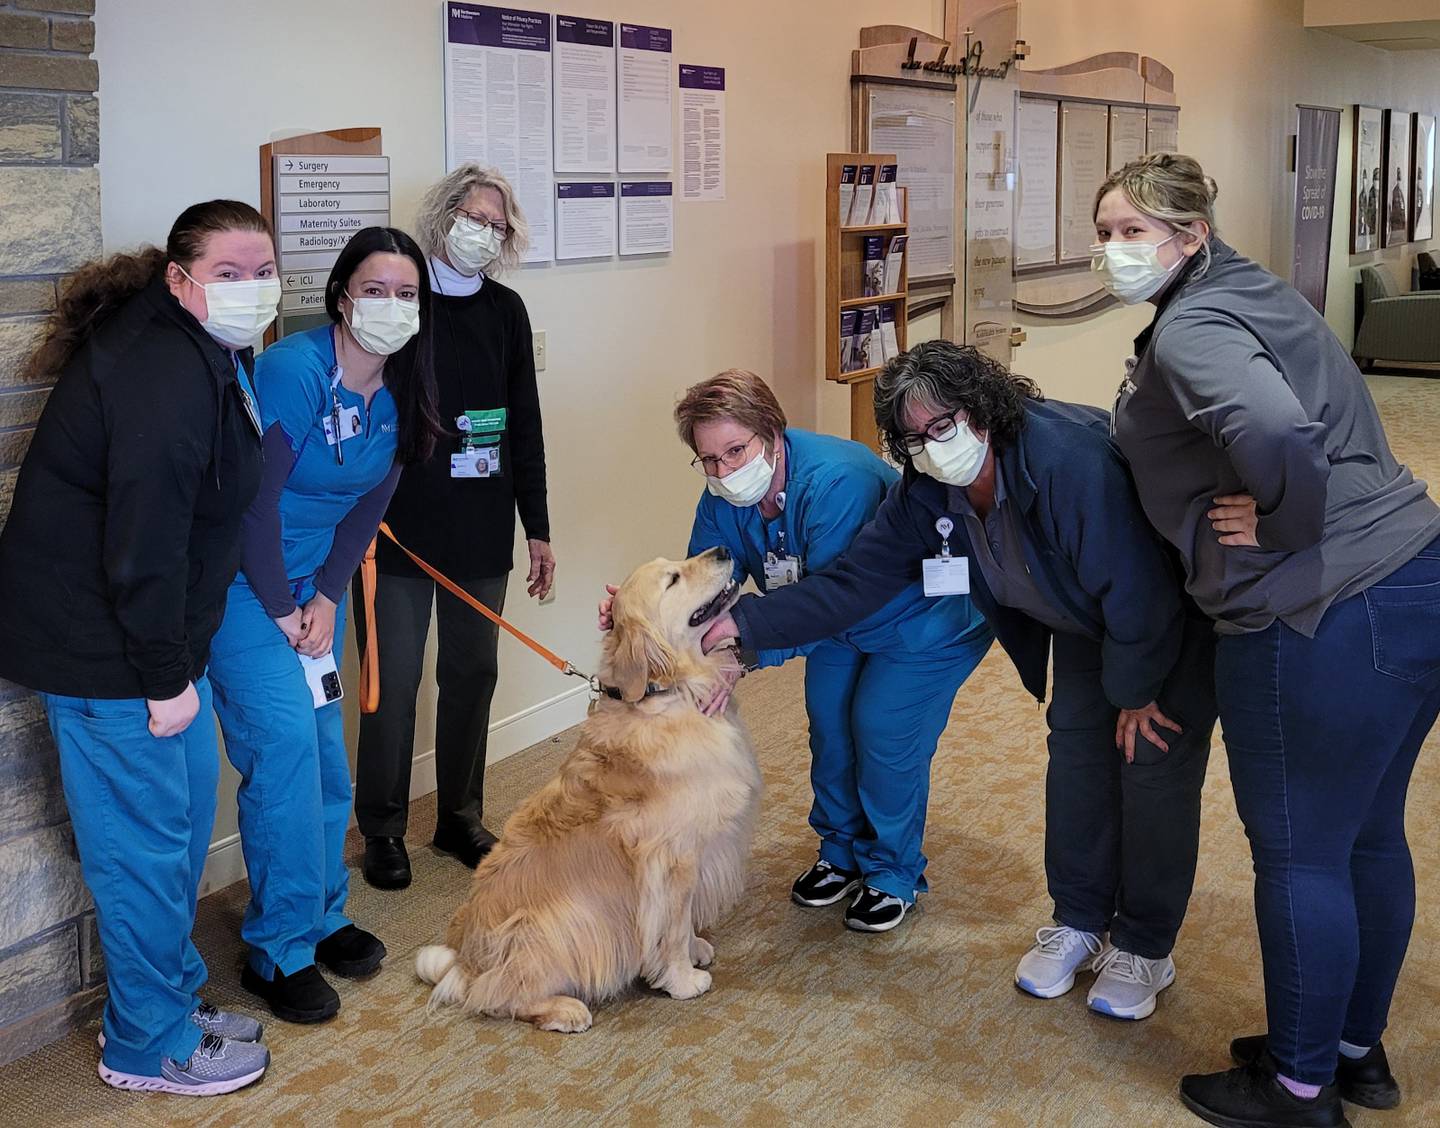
{"type": "Point", "coordinates": [651, 690]}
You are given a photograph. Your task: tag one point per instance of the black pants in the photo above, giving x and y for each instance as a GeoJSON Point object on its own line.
{"type": "Point", "coordinates": [465, 670]}
{"type": "Point", "coordinates": [1121, 839]}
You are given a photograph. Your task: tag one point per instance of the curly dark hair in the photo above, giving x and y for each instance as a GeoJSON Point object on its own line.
{"type": "Point", "coordinates": [945, 376]}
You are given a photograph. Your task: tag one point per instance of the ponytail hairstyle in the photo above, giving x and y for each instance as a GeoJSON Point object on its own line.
{"type": "Point", "coordinates": [1168, 187]}
{"type": "Point", "coordinates": [99, 288]}
{"type": "Point", "coordinates": [409, 374]}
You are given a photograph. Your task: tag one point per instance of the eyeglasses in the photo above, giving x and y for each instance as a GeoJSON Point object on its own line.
{"type": "Point", "coordinates": [732, 459]}
{"type": "Point", "coordinates": [938, 430]}
{"type": "Point", "coordinates": [499, 226]}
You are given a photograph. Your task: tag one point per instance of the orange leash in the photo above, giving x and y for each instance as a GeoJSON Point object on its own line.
{"type": "Point", "coordinates": [370, 658]}
{"type": "Point", "coordinates": [370, 681]}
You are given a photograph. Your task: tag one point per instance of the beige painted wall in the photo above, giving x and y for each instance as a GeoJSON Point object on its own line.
{"type": "Point", "coordinates": [189, 92]}
{"type": "Point", "coordinates": [1238, 73]}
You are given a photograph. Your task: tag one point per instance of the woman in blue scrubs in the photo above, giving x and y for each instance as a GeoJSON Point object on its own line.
{"type": "Point", "coordinates": [784, 502]}
{"type": "Point", "coordinates": [343, 408]}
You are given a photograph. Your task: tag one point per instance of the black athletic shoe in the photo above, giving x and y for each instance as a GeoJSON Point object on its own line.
{"type": "Point", "coordinates": [303, 997]}
{"type": "Point", "coordinates": [469, 844]}
{"type": "Point", "coordinates": [1251, 1096]}
{"type": "Point", "coordinates": [823, 884]}
{"type": "Point", "coordinates": [350, 952]}
{"type": "Point", "coordinates": [387, 865]}
{"type": "Point", "coordinates": [876, 911]}
{"type": "Point", "coordinates": [1366, 1081]}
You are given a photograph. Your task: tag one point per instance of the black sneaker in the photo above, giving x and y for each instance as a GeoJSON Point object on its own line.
{"type": "Point", "coordinates": [876, 911]}
{"type": "Point", "coordinates": [823, 884]}
{"type": "Point", "coordinates": [387, 865]}
{"type": "Point", "coordinates": [469, 844]}
{"type": "Point", "coordinates": [1252, 1097]}
{"type": "Point", "coordinates": [1366, 1081]}
{"type": "Point", "coordinates": [303, 997]}
{"type": "Point", "coordinates": [350, 952]}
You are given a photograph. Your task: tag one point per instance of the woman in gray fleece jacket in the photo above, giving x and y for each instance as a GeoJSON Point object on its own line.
{"type": "Point", "coordinates": [1258, 453]}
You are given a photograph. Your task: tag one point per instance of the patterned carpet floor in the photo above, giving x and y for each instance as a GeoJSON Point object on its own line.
{"type": "Point", "coordinates": [806, 1024]}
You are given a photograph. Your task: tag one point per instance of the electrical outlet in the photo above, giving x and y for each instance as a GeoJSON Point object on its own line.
{"type": "Point", "coordinates": [539, 339]}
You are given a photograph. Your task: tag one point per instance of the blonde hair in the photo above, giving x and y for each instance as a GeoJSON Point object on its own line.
{"type": "Point", "coordinates": [733, 394]}
{"type": "Point", "coordinates": [437, 213]}
{"type": "Point", "coordinates": [1169, 187]}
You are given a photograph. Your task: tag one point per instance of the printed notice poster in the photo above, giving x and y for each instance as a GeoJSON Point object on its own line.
{"type": "Point", "coordinates": [918, 126]}
{"type": "Point", "coordinates": [497, 105]}
{"type": "Point", "coordinates": [702, 133]}
{"type": "Point", "coordinates": [645, 113]}
{"type": "Point", "coordinates": [647, 217]}
{"type": "Point", "coordinates": [584, 219]}
{"type": "Point", "coordinates": [584, 95]}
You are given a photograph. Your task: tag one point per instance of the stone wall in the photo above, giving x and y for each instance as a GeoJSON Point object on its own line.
{"type": "Point", "coordinates": [51, 971]}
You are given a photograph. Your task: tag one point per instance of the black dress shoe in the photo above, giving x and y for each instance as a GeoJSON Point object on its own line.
{"type": "Point", "coordinates": [1251, 1096]}
{"type": "Point", "coordinates": [469, 844]}
{"type": "Point", "coordinates": [302, 997]}
{"type": "Point", "coordinates": [387, 865]}
{"type": "Point", "coordinates": [1366, 1081]}
{"type": "Point", "coordinates": [350, 952]}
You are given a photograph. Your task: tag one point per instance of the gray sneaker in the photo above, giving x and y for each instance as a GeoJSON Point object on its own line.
{"type": "Point", "coordinates": [216, 1066]}
{"type": "Point", "coordinates": [1127, 984]}
{"type": "Point", "coordinates": [223, 1024]}
{"type": "Point", "coordinates": [227, 1024]}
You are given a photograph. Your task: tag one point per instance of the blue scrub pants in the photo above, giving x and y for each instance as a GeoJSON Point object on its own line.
{"type": "Point", "coordinates": [294, 785]}
{"type": "Point", "coordinates": [1322, 735]}
{"type": "Point", "coordinates": [874, 722]}
{"type": "Point", "coordinates": [142, 809]}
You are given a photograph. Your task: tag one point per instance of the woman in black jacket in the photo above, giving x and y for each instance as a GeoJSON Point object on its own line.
{"type": "Point", "coordinates": [456, 511]}
{"type": "Point", "coordinates": [120, 546]}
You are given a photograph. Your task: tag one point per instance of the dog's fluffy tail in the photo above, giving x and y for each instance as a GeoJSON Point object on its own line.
{"type": "Point", "coordinates": [440, 965]}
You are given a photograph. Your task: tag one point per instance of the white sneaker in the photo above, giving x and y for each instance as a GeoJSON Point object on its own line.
{"type": "Point", "coordinates": [1048, 970]}
{"type": "Point", "coordinates": [1128, 984]}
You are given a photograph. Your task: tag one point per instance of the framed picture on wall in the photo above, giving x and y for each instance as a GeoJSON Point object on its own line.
{"type": "Point", "coordinates": [1422, 199]}
{"type": "Point", "coordinates": [1365, 181]}
{"type": "Point", "coordinates": [1399, 180]}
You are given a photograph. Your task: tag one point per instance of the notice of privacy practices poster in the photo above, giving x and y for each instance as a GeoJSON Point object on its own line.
{"type": "Point", "coordinates": [497, 105]}
{"type": "Point", "coordinates": [702, 132]}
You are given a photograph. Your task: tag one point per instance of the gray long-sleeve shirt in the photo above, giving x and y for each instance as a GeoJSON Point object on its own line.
{"type": "Point", "coordinates": [1241, 387]}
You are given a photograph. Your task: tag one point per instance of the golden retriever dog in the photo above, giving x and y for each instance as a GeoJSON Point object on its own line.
{"type": "Point", "coordinates": [609, 872]}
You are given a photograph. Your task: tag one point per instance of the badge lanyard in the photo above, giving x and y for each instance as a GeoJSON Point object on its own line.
{"type": "Point", "coordinates": [781, 569]}
{"type": "Point", "coordinates": [946, 574]}
{"type": "Point", "coordinates": [336, 373]}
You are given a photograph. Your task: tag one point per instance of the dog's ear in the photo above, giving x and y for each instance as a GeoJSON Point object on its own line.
{"type": "Point", "coordinates": [639, 656]}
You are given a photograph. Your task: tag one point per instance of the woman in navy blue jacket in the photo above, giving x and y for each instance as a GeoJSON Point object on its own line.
{"type": "Point", "coordinates": [1037, 499]}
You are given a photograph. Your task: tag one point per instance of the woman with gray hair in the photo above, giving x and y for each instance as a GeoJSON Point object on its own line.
{"type": "Point", "coordinates": [457, 511]}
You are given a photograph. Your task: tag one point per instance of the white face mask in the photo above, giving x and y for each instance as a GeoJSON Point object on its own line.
{"type": "Point", "coordinates": [956, 461]}
{"type": "Point", "coordinates": [1132, 271]}
{"type": "Point", "coordinates": [383, 325]}
{"type": "Point", "coordinates": [746, 486]}
{"type": "Point", "coordinates": [238, 312]}
{"type": "Point", "coordinates": [472, 246]}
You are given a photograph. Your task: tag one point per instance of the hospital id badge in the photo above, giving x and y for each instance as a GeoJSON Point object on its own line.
{"type": "Point", "coordinates": [475, 462]}
{"type": "Point", "coordinates": [349, 425]}
{"type": "Point", "coordinates": [781, 571]}
{"type": "Point", "coordinates": [323, 679]}
{"type": "Point", "coordinates": [947, 575]}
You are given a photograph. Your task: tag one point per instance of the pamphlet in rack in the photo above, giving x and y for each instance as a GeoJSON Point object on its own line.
{"type": "Point", "coordinates": [864, 197]}
{"type": "Point", "coordinates": [847, 191]}
{"type": "Point", "coordinates": [887, 207]}
{"type": "Point", "coordinates": [888, 340]}
{"type": "Point", "coordinates": [873, 278]}
{"type": "Point", "coordinates": [863, 354]}
{"type": "Point", "coordinates": [894, 256]}
{"type": "Point", "coordinates": [849, 323]}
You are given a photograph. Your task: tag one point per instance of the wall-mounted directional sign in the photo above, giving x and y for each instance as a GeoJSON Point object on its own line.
{"type": "Point", "coordinates": [320, 202]}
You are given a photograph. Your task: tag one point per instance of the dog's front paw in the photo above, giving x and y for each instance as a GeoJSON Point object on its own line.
{"type": "Point", "coordinates": [702, 952]}
{"type": "Point", "coordinates": [685, 983]}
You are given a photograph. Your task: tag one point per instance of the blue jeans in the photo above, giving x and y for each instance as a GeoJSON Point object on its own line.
{"type": "Point", "coordinates": [874, 722]}
{"type": "Point", "coordinates": [1322, 736]}
{"type": "Point", "coordinates": [294, 798]}
{"type": "Point", "coordinates": [142, 809]}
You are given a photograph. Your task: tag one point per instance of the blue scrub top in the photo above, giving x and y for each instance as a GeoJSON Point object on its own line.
{"type": "Point", "coordinates": [833, 487]}
{"type": "Point", "coordinates": [295, 381]}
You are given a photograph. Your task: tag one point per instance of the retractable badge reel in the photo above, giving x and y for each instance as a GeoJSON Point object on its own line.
{"type": "Point", "coordinates": [946, 574]}
{"type": "Point", "coordinates": [781, 569]}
